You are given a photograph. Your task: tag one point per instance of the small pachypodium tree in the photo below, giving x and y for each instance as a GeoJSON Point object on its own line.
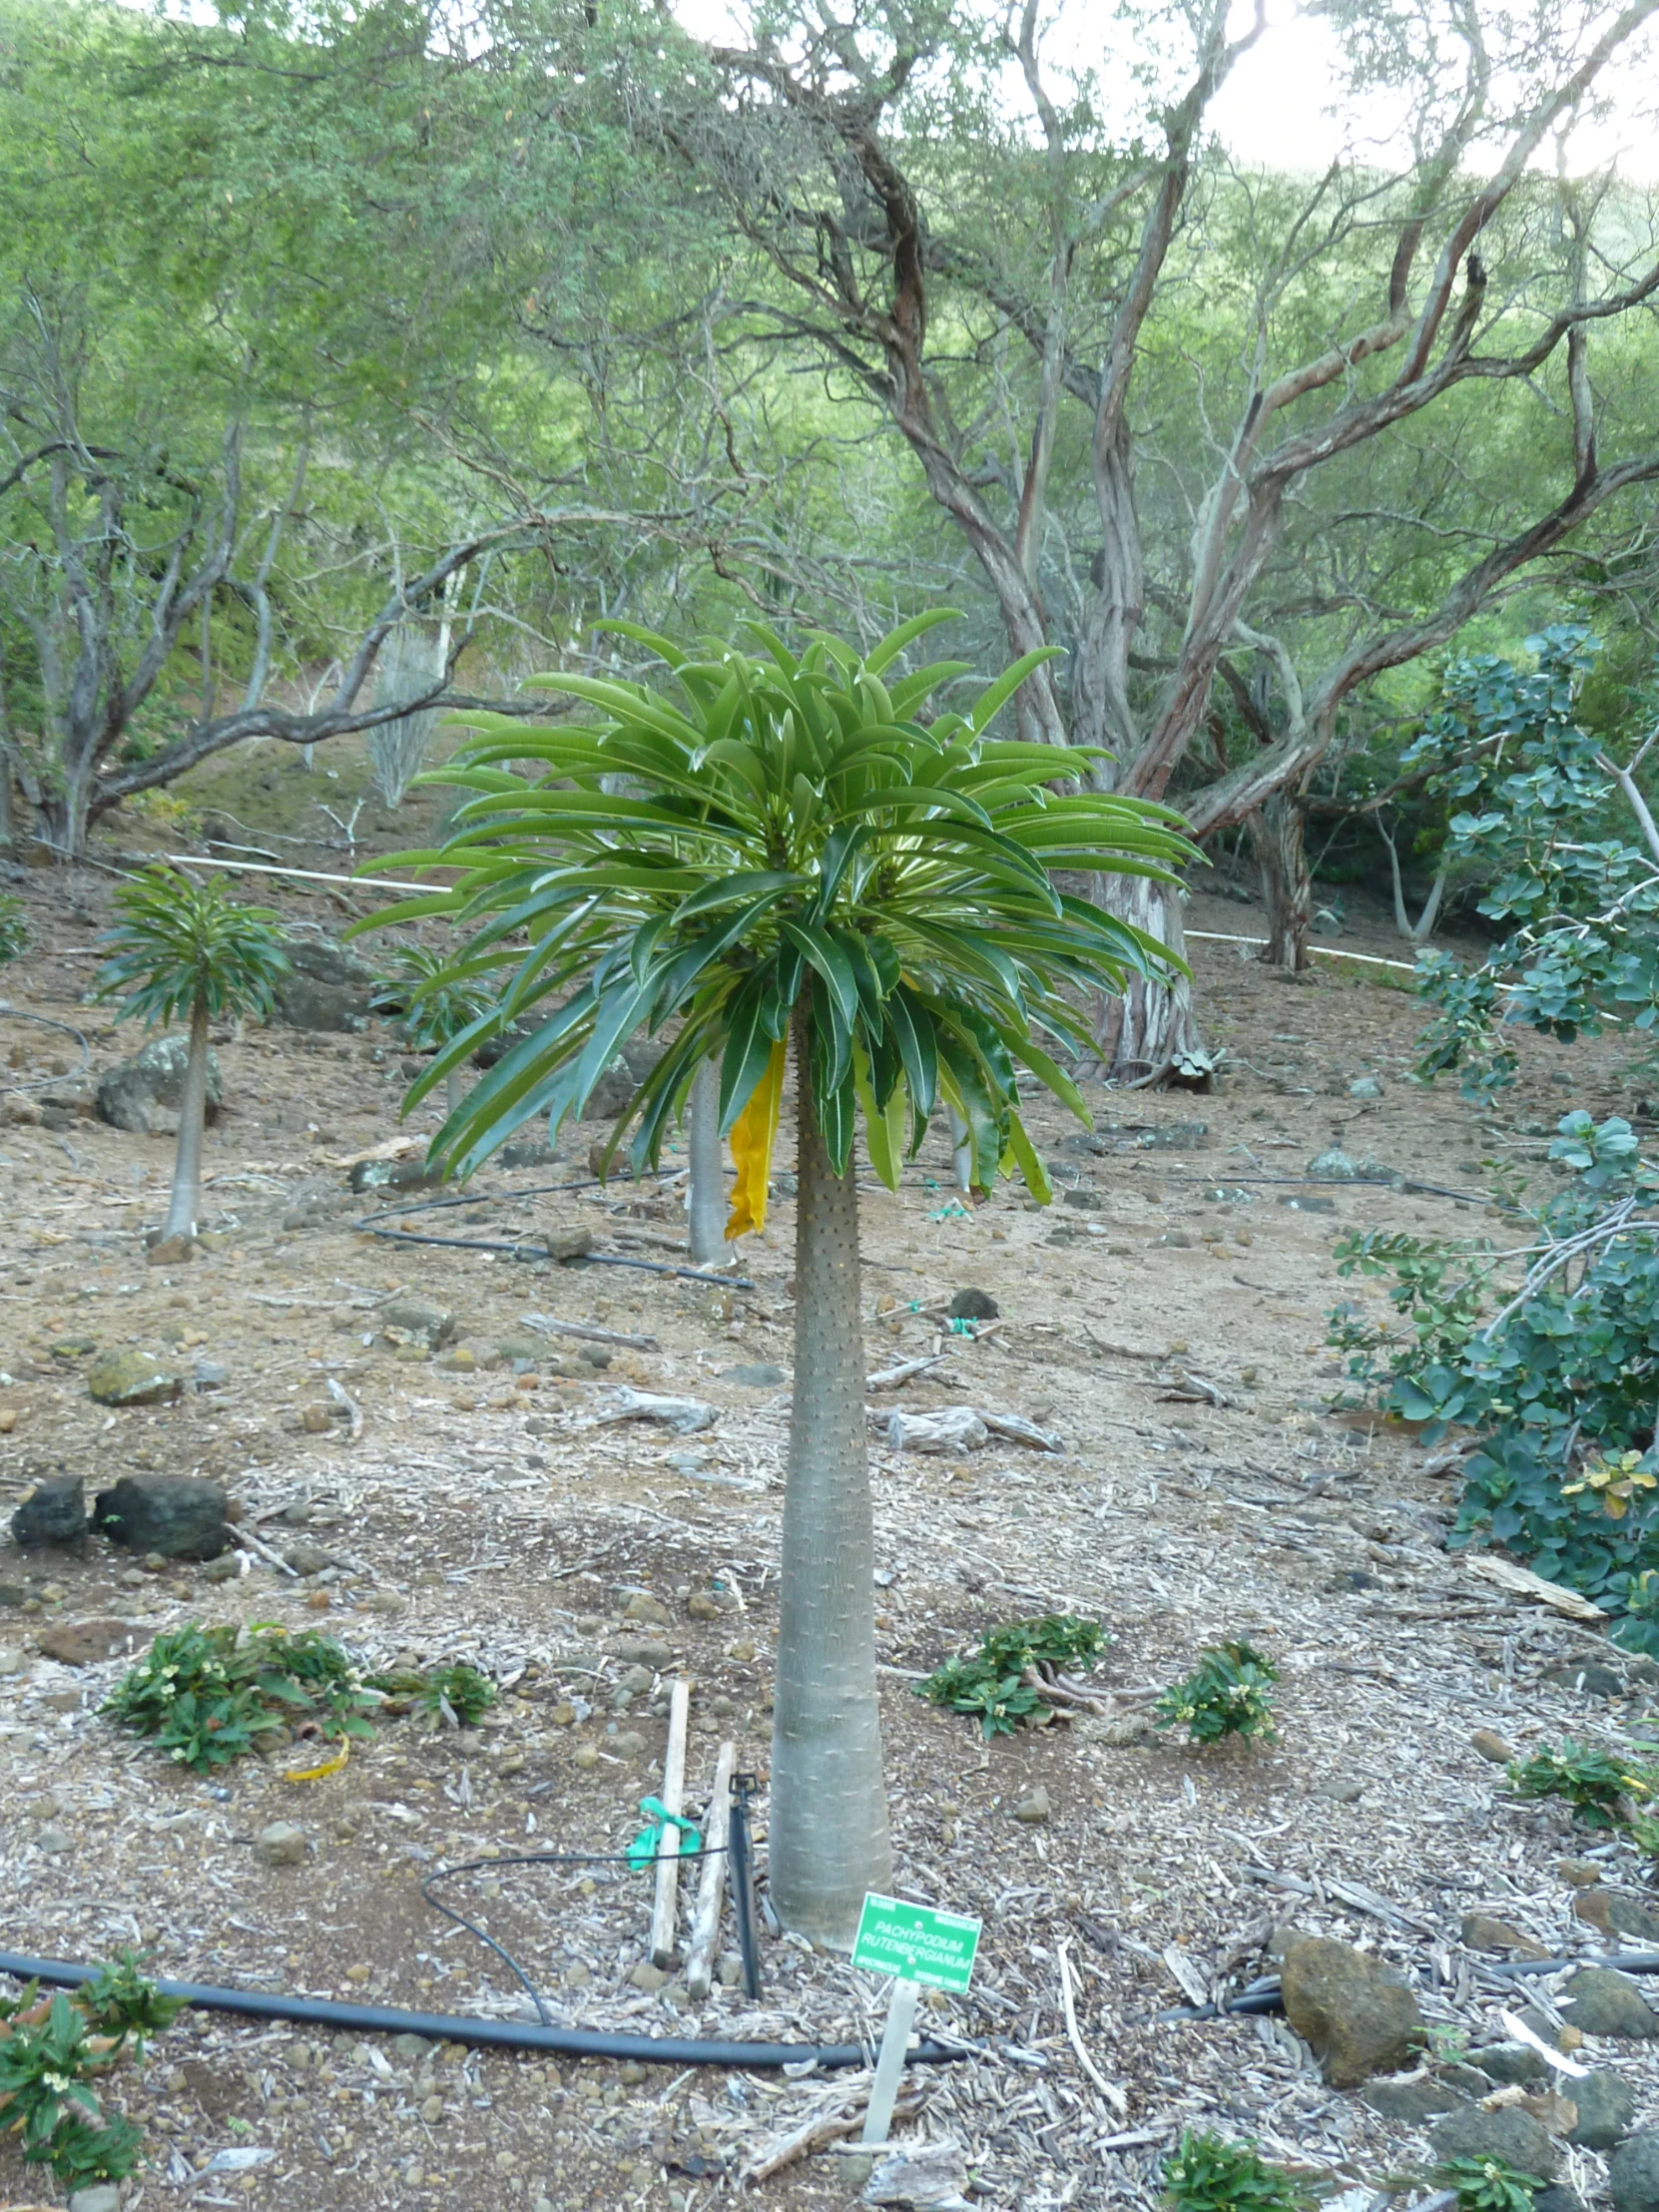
{"type": "Point", "coordinates": [783, 858]}
{"type": "Point", "coordinates": [431, 1005]}
{"type": "Point", "coordinates": [182, 952]}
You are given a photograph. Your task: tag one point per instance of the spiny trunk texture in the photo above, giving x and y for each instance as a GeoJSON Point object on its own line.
{"type": "Point", "coordinates": [185, 1203]}
{"type": "Point", "coordinates": [1149, 1034]}
{"type": "Point", "coordinates": [1287, 883]}
{"type": "Point", "coordinates": [706, 1224]}
{"type": "Point", "coordinates": [829, 1829]}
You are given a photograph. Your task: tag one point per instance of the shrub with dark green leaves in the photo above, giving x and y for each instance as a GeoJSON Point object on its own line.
{"type": "Point", "coordinates": [1486, 2185]}
{"type": "Point", "coordinates": [1229, 1693]}
{"type": "Point", "coordinates": [14, 929]}
{"type": "Point", "coordinates": [457, 1694]}
{"type": "Point", "coordinates": [51, 2051]}
{"type": "Point", "coordinates": [1600, 1788]}
{"type": "Point", "coordinates": [1207, 2173]}
{"type": "Point", "coordinates": [1557, 1374]}
{"type": "Point", "coordinates": [1004, 1682]}
{"type": "Point", "coordinates": [204, 1694]}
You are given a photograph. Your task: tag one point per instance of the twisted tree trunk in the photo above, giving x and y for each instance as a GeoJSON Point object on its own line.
{"type": "Point", "coordinates": [1149, 1033]}
{"type": "Point", "coordinates": [707, 1178]}
{"type": "Point", "coordinates": [1276, 837]}
{"type": "Point", "coordinates": [185, 1203]}
{"type": "Point", "coordinates": [829, 1833]}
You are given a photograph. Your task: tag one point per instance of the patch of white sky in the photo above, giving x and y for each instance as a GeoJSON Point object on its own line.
{"type": "Point", "coordinates": [1289, 104]}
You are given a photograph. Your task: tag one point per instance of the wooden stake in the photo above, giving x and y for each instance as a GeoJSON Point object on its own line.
{"type": "Point", "coordinates": [717, 1826]}
{"type": "Point", "coordinates": [668, 1851]}
{"type": "Point", "coordinates": [889, 2061]}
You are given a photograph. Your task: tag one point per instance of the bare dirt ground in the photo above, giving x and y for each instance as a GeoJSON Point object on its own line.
{"type": "Point", "coordinates": [499, 1517]}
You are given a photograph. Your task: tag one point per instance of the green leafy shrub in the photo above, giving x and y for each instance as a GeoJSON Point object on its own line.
{"type": "Point", "coordinates": [1486, 2185]}
{"type": "Point", "coordinates": [1557, 1374]}
{"type": "Point", "coordinates": [458, 1694]}
{"type": "Point", "coordinates": [994, 1684]}
{"type": "Point", "coordinates": [1600, 1788]}
{"type": "Point", "coordinates": [51, 2051]}
{"type": "Point", "coordinates": [204, 1694]}
{"type": "Point", "coordinates": [1207, 2173]}
{"type": "Point", "coordinates": [1229, 1693]}
{"type": "Point", "coordinates": [431, 1003]}
{"type": "Point", "coordinates": [1544, 818]}
{"type": "Point", "coordinates": [14, 929]}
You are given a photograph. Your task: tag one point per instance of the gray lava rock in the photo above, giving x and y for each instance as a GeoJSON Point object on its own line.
{"type": "Point", "coordinates": [143, 1094]}
{"type": "Point", "coordinates": [130, 1378]}
{"type": "Point", "coordinates": [54, 1513]}
{"type": "Point", "coordinates": [281, 1845]}
{"type": "Point", "coordinates": [1334, 1165]}
{"type": "Point", "coordinates": [1413, 2099]}
{"type": "Point", "coordinates": [330, 989]}
{"type": "Point", "coordinates": [1606, 2106]}
{"type": "Point", "coordinates": [411, 1319]}
{"type": "Point", "coordinates": [100, 2196]}
{"type": "Point", "coordinates": [972, 1305]}
{"type": "Point", "coordinates": [755, 1375]}
{"type": "Point", "coordinates": [178, 1515]}
{"type": "Point", "coordinates": [1509, 2133]}
{"type": "Point", "coordinates": [1510, 2063]}
{"type": "Point", "coordinates": [1633, 2173]}
{"type": "Point", "coordinates": [1589, 1679]}
{"type": "Point", "coordinates": [1359, 2018]}
{"type": "Point", "coordinates": [1598, 2001]}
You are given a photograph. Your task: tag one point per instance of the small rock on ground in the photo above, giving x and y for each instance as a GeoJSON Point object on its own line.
{"type": "Point", "coordinates": [1359, 2018]}
{"type": "Point", "coordinates": [1606, 2106]}
{"type": "Point", "coordinates": [1510, 2134]}
{"type": "Point", "coordinates": [279, 1844]}
{"type": "Point", "coordinates": [177, 1517]}
{"type": "Point", "coordinates": [1599, 2000]}
{"type": "Point", "coordinates": [1633, 2173]}
{"type": "Point", "coordinates": [54, 1513]}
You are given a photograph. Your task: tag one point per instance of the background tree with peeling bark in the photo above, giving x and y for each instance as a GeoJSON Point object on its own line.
{"type": "Point", "coordinates": [1170, 407]}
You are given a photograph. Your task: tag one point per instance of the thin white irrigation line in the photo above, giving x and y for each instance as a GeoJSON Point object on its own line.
{"type": "Point", "coordinates": [311, 875]}
{"type": "Point", "coordinates": [1329, 952]}
{"type": "Point", "coordinates": [391, 883]}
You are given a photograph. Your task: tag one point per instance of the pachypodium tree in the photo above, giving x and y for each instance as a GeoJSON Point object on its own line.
{"type": "Point", "coordinates": [184, 951]}
{"type": "Point", "coordinates": [777, 857]}
{"type": "Point", "coordinates": [431, 1007]}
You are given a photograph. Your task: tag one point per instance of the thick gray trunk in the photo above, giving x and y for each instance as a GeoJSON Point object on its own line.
{"type": "Point", "coordinates": [185, 1203]}
{"type": "Point", "coordinates": [828, 1830]}
{"type": "Point", "coordinates": [1150, 1035]}
{"type": "Point", "coordinates": [1287, 883]}
{"type": "Point", "coordinates": [707, 1194]}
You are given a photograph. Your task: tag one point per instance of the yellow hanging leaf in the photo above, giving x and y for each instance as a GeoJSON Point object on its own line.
{"type": "Point", "coordinates": [329, 1766]}
{"type": "Point", "coordinates": [753, 1134]}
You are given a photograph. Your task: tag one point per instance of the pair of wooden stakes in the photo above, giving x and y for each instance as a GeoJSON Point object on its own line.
{"type": "Point", "coordinates": [711, 1890]}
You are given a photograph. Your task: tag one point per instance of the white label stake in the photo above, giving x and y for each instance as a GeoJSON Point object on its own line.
{"type": "Point", "coordinates": [889, 2065]}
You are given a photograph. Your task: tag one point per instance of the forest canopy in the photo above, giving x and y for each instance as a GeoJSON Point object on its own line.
{"type": "Point", "coordinates": [341, 343]}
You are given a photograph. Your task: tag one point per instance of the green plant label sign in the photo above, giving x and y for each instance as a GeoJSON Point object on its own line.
{"type": "Point", "coordinates": [914, 1941]}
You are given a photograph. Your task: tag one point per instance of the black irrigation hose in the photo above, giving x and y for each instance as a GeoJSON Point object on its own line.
{"type": "Point", "coordinates": [450, 2028]}
{"type": "Point", "coordinates": [541, 1252]}
{"type": "Point", "coordinates": [535, 1859]}
{"type": "Point", "coordinates": [374, 1228]}
{"type": "Point", "coordinates": [1267, 1995]}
